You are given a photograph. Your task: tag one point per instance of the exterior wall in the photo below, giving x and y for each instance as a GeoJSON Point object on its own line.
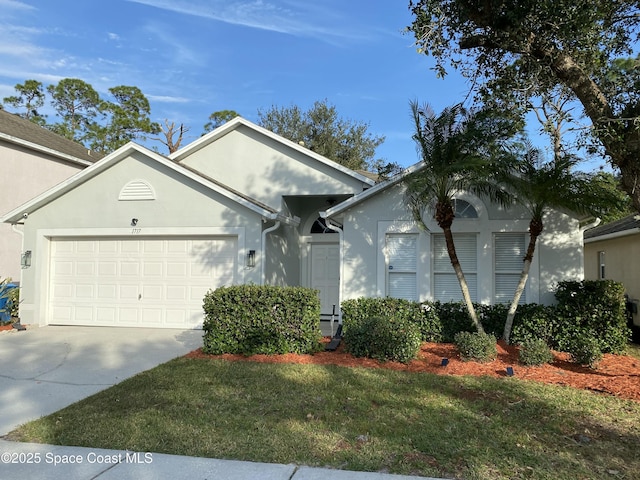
{"type": "Point", "coordinates": [622, 263]}
{"type": "Point", "coordinates": [558, 253]}
{"type": "Point", "coordinates": [264, 169]}
{"type": "Point", "coordinates": [282, 257]}
{"type": "Point", "coordinates": [182, 208]}
{"type": "Point", "coordinates": [26, 174]}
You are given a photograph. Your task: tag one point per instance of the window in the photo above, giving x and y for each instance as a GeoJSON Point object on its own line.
{"type": "Point", "coordinates": [464, 209]}
{"type": "Point", "coordinates": [446, 287]}
{"type": "Point", "coordinates": [402, 266]}
{"type": "Point", "coordinates": [320, 226]}
{"type": "Point", "coordinates": [508, 255]}
{"type": "Point", "coordinates": [601, 271]}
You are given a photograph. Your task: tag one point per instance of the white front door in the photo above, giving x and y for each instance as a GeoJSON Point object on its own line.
{"type": "Point", "coordinates": [325, 275]}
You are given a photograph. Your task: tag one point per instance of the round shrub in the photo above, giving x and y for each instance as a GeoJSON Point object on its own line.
{"type": "Point", "coordinates": [478, 347]}
{"type": "Point", "coordinates": [585, 350]}
{"type": "Point", "coordinates": [535, 352]}
{"type": "Point", "coordinates": [385, 339]}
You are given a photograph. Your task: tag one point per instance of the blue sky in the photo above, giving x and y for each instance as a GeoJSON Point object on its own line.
{"type": "Point", "coordinates": [194, 57]}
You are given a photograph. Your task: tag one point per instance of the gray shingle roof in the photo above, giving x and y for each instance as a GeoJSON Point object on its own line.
{"type": "Point", "coordinates": [26, 131]}
{"type": "Point", "coordinates": [629, 222]}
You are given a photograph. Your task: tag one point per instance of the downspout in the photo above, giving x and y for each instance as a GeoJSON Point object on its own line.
{"type": "Point", "coordinates": [593, 224]}
{"type": "Point", "coordinates": [335, 228]}
{"type": "Point", "coordinates": [263, 246]}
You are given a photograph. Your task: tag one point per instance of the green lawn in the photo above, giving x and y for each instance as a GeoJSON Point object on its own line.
{"type": "Point", "coordinates": [357, 419]}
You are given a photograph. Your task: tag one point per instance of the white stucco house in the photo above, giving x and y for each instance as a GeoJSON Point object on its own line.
{"type": "Point", "coordinates": [33, 159]}
{"type": "Point", "coordinates": [138, 238]}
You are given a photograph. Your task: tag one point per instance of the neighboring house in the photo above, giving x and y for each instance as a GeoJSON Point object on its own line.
{"type": "Point", "coordinates": [138, 238]}
{"type": "Point", "coordinates": [33, 159]}
{"type": "Point", "coordinates": [612, 251]}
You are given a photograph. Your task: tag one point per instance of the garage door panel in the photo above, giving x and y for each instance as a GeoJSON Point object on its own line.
{"type": "Point", "coordinates": [137, 282]}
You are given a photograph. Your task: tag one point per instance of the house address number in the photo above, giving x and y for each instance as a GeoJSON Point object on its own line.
{"type": "Point", "coordinates": [135, 231]}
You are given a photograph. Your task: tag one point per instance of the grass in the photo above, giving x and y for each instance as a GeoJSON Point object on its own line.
{"type": "Point", "coordinates": [357, 419]}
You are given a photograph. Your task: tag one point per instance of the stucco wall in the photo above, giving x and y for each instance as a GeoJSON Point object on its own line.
{"type": "Point", "coordinates": [25, 174]}
{"type": "Point", "coordinates": [558, 255]}
{"type": "Point", "coordinates": [265, 170]}
{"type": "Point", "coordinates": [622, 263]}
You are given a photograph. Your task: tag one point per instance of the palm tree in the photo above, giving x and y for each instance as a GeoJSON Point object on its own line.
{"type": "Point", "coordinates": [540, 186]}
{"type": "Point", "coordinates": [460, 151]}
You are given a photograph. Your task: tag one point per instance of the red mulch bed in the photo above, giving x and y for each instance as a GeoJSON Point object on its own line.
{"type": "Point", "coordinates": [617, 375]}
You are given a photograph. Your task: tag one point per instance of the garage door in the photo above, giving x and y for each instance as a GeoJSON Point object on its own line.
{"type": "Point", "coordinates": [146, 282]}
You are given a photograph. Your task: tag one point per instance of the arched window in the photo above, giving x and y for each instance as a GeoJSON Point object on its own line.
{"type": "Point", "coordinates": [320, 226]}
{"type": "Point", "coordinates": [464, 209]}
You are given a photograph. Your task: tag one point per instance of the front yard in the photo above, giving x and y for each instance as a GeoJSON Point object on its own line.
{"type": "Point", "coordinates": [354, 418]}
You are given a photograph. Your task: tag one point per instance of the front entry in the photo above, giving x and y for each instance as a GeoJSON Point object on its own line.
{"type": "Point", "coordinates": [325, 275]}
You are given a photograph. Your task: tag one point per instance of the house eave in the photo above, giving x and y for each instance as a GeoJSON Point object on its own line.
{"type": "Point", "coordinates": [49, 151]}
{"type": "Point", "coordinates": [611, 236]}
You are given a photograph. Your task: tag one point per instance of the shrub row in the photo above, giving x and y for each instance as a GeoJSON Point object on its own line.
{"type": "Point", "coordinates": [251, 319]}
{"type": "Point", "coordinates": [591, 312]}
{"type": "Point", "coordinates": [384, 338]}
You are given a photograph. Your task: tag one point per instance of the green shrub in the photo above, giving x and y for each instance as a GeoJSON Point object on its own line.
{"type": "Point", "coordinates": [454, 318]}
{"type": "Point", "coordinates": [534, 322]}
{"type": "Point", "coordinates": [535, 352]}
{"type": "Point", "coordinates": [594, 308]}
{"type": "Point", "coordinates": [250, 319]}
{"type": "Point", "coordinates": [385, 339]}
{"type": "Point", "coordinates": [424, 315]}
{"type": "Point", "coordinates": [585, 350]}
{"type": "Point", "coordinates": [475, 346]}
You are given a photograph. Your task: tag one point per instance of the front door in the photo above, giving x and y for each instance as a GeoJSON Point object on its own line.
{"type": "Point", "coordinates": [325, 275]}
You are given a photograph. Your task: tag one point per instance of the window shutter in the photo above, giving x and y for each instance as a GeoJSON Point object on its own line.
{"type": "Point", "coordinates": [446, 285]}
{"type": "Point", "coordinates": [402, 266]}
{"type": "Point", "coordinates": [508, 253]}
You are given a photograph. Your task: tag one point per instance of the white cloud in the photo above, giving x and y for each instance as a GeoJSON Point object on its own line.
{"type": "Point", "coordinates": [296, 19]}
{"type": "Point", "coordinates": [15, 5]}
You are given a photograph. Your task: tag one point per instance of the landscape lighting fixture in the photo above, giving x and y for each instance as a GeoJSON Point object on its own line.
{"type": "Point", "coordinates": [509, 371]}
{"type": "Point", "coordinates": [445, 362]}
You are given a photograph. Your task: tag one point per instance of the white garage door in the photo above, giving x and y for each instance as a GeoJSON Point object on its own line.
{"type": "Point", "coordinates": [146, 282]}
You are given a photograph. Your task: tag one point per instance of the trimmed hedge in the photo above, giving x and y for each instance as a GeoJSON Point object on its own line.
{"type": "Point", "coordinates": [594, 309]}
{"type": "Point", "coordinates": [384, 338]}
{"type": "Point", "coordinates": [251, 319]}
{"type": "Point", "coordinates": [425, 316]}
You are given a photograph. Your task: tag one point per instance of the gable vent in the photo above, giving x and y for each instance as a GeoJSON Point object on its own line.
{"type": "Point", "coordinates": [137, 190]}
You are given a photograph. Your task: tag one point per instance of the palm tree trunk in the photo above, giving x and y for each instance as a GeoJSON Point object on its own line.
{"type": "Point", "coordinates": [535, 229]}
{"type": "Point", "coordinates": [455, 263]}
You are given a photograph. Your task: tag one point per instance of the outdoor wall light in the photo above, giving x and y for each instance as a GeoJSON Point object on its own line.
{"type": "Point", "coordinates": [134, 222]}
{"type": "Point", "coordinates": [25, 259]}
{"type": "Point", "coordinates": [251, 259]}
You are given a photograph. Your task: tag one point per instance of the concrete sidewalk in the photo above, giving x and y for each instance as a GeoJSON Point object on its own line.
{"type": "Point", "coordinates": [48, 368]}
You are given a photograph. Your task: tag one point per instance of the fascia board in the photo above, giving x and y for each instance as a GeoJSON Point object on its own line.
{"type": "Point", "coordinates": [42, 149]}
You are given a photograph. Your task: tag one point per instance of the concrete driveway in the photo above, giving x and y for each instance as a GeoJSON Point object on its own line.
{"type": "Point", "coordinates": [44, 369]}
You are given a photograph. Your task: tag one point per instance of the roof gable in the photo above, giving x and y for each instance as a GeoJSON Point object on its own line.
{"type": "Point", "coordinates": [239, 122]}
{"type": "Point", "coordinates": [19, 131]}
{"type": "Point", "coordinates": [126, 151]}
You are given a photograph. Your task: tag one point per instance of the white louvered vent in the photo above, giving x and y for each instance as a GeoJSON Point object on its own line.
{"type": "Point", "coordinates": [137, 190]}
